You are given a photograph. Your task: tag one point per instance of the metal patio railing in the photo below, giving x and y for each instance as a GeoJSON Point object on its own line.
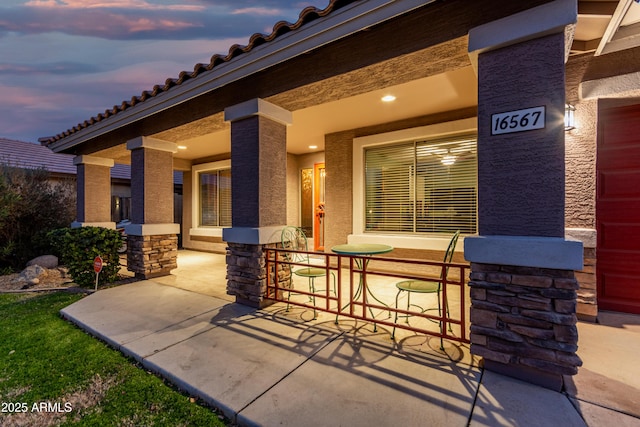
{"type": "Point", "coordinates": [365, 290]}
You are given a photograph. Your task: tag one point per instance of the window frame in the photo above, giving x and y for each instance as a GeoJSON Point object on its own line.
{"type": "Point", "coordinates": [197, 229]}
{"type": "Point", "coordinates": [429, 241]}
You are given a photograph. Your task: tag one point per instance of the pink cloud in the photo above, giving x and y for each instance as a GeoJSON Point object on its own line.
{"type": "Point", "coordinates": [28, 98]}
{"type": "Point", "coordinates": [145, 24]}
{"type": "Point", "coordinates": [101, 23]}
{"type": "Point", "coordinates": [111, 4]}
{"type": "Point", "coordinates": [257, 11]}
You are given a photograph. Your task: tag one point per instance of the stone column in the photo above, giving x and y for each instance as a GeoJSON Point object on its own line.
{"type": "Point", "coordinates": [258, 185]}
{"type": "Point", "coordinates": [93, 192]}
{"type": "Point", "coordinates": [152, 238]}
{"type": "Point", "coordinates": [523, 299]}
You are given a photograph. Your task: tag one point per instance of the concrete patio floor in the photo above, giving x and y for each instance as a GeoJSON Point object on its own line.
{"type": "Point", "coordinates": [271, 367]}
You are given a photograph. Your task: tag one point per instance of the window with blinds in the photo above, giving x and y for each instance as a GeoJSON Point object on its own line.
{"type": "Point", "coordinates": [422, 186]}
{"type": "Point", "coordinates": [215, 198]}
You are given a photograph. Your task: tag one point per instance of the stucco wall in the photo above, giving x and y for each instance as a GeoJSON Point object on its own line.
{"type": "Point", "coordinates": [293, 190]}
{"type": "Point", "coordinates": [581, 142]}
{"type": "Point", "coordinates": [521, 187]}
{"type": "Point", "coordinates": [339, 183]}
{"type": "Point", "coordinates": [580, 150]}
{"type": "Point", "coordinates": [258, 172]}
{"type": "Point", "coordinates": [94, 196]}
{"type": "Point", "coordinates": [580, 157]}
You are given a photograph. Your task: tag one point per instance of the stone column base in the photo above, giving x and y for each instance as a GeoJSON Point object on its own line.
{"type": "Point", "coordinates": [153, 255]}
{"type": "Point", "coordinates": [587, 300]}
{"type": "Point", "coordinates": [523, 322]}
{"type": "Point", "coordinates": [247, 274]}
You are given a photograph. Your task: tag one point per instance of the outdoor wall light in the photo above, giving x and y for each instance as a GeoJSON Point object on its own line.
{"type": "Point", "coordinates": [569, 120]}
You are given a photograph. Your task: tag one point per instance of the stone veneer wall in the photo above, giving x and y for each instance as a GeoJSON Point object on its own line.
{"type": "Point", "coordinates": [247, 274]}
{"type": "Point", "coordinates": [152, 256]}
{"type": "Point", "coordinates": [523, 319]}
{"type": "Point", "coordinates": [587, 293]}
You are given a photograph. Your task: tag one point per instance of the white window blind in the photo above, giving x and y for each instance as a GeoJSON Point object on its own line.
{"type": "Point", "coordinates": [427, 186]}
{"type": "Point", "coordinates": [215, 198]}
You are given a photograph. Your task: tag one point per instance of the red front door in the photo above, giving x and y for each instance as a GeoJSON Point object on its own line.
{"type": "Point", "coordinates": [618, 209]}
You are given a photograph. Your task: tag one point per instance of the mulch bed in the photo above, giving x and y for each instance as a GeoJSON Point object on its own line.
{"type": "Point", "coordinates": [54, 281]}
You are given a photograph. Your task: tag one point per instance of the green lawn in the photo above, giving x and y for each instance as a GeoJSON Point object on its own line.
{"type": "Point", "coordinates": [55, 374]}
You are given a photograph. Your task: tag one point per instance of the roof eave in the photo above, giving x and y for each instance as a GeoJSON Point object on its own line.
{"type": "Point", "coordinates": [339, 24]}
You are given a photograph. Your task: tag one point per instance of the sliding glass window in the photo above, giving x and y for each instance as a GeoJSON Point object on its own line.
{"type": "Point", "coordinates": [427, 186]}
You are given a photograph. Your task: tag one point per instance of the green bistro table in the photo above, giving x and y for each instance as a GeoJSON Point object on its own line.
{"type": "Point", "coordinates": [363, 251]}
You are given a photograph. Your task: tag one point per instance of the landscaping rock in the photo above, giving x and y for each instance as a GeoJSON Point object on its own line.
{"type": "Point", "coordinates": [21, 283]}
{"type": "Point", "coordinates": [46, 261]}
{"type": "Point", "coordinates": [54, 278]}
{"type": "Point", "coordinates": [34, 272]}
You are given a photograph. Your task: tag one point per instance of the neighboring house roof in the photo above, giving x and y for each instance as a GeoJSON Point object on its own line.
{"type": "Point", "coordinates": [29, 155]}
{"type": "Point", "coordinates": [307, 15]}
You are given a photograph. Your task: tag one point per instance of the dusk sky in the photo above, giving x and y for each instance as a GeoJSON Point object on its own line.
{"type": "Point", "coordinates": [65, 61]}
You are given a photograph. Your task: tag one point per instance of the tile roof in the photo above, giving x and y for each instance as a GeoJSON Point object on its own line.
{"type": "Point", "coordinates": [307, 15]}
{"type": "Point", "coordinates": [29, 155]}
{"type": "Point", "coordinates": [32, 156]}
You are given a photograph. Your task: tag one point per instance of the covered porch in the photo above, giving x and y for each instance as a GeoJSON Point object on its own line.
{"type": "Point", "coordinates": [205, 273]}
{"type": "Point", "coordinates": [472, 139]}
{"type": "Point", "coordinates": [266, 366]}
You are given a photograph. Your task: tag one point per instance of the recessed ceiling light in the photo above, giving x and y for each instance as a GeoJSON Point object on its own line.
{"type": "Point", "coordinates": [388, 98]}
{"type": "Point", "coordinates": [182, 147]}
{"type": "Point", "coordinates": [313, 147]}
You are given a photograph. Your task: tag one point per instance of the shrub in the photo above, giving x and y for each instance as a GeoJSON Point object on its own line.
{"type": "Point", "coordinates": [56, 241]}
{"type": "Point", "coordinates": [80, 246]}
{"type": "Point", "coordinates": [30, 205]}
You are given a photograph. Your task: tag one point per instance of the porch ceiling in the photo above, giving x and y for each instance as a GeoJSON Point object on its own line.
{"type": "Point", "coordinates": [421, 85]}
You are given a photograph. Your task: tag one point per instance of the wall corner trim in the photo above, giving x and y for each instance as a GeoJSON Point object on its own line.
{"type": "Point", "coordinates": [525, 251]}
{"type": "Point", "coordinates": [109, 225]}
{"type": "Point", "coordinates": [258, 107]}
{"type": "Point", "coordinates": [151, 143]}
{"type": "Point", "coordinates": [152, 229]}
{"type": "Point", "coordinates": [92, 160]}
{"type": "Point", "coordinates": [253, 235]}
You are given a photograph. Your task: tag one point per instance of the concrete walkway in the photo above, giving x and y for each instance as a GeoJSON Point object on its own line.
{"type": "Point", "coordinates": [270, 368]}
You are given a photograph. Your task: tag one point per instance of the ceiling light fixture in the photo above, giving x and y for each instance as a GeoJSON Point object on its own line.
{"type": "Point", "coordinates": [448, 160]}
{"type": "Point", "coordinates": [182, 147]}
{"type": "Point", "coordinates": [313, 147]}
{"type": "Point", "coordinates": [388, 98]}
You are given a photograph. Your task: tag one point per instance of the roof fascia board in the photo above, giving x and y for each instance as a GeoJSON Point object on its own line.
{"type": "Point", "coordinates": [340, 24]}
{"type": "Point", "coordinates": [614, 24]}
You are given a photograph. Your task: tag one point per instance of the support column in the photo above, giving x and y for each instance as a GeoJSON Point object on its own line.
{"type": "Point", "coordinates": [93, 192]}
{"type": "Point", "coordinates": [152, 238]}
{"type": "Point", "coordinates": [258, 183]}
{"type": "Point", "coordinates": [523, 298]}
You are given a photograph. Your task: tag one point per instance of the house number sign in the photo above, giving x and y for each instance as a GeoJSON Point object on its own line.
{"type": "Point", "coordinates": [518, 120]}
